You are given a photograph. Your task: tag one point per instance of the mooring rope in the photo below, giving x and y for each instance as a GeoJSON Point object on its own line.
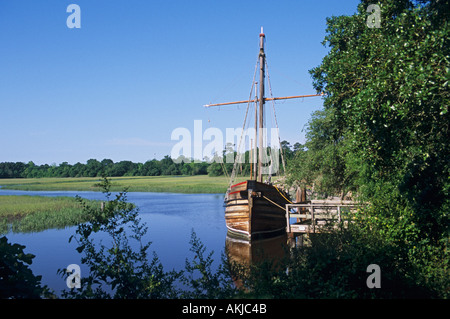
{"type": "Point", "coordinates": [282, 194]}
{"type": "Point", "coordinates": [274, 203]}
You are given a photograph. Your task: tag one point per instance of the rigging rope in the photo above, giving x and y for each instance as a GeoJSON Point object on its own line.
{"type": "Point", "coordinates": [275, 115]}
{"type": "Point", "coordinates": [233, 173]}
{"type": "Point", "coordinates": [224, 169]}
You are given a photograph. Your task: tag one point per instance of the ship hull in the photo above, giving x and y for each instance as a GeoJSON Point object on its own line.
{"type": "Point", "coordinates": [255, 210]}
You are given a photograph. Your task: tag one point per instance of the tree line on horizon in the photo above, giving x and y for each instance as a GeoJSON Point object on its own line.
{"type": "Point", "coordinates": [95, 168]}
{"type": "Point", "coordinates": [154, 167]}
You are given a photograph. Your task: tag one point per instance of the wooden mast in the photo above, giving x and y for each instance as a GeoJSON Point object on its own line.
{"type": "Point", "coordinates": [262, 63]}
{"type": "Point", "coordinates": [254, 159]}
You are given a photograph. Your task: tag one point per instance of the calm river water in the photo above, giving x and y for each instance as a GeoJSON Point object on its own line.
{"type": "Point", "coordinates": [170, 219]}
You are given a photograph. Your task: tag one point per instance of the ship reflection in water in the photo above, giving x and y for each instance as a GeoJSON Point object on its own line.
{"type": "Point", "coordinates": [245, 253]}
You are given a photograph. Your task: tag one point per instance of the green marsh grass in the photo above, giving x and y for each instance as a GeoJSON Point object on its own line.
{"type": "Point", "coordinates": [36, 213]}
{"type": "Point", "coordinates": [170, 184]}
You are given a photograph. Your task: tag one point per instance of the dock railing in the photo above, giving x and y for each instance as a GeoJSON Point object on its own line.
{"type": "Point", "coordinates": [311, 216]}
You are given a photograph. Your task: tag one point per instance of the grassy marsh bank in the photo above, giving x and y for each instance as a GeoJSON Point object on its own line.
{"type": "Point", "coordinates": [37, 213]}
{"type": "Point", "coordinates": [171, 184]}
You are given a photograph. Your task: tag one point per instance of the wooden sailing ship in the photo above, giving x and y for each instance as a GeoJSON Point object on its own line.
{"type": "Point", "coordinates": [255, 209]}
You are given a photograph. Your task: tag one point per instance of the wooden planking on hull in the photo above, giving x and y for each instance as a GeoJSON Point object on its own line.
{"type": "Point", "coordinates": [249, 213]}
{"type": "Point", "coordinates": [267, 221]}
{"type": "Point", "coordinates": [237, 217]}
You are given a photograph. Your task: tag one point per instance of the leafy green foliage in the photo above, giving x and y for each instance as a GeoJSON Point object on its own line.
{"type": "Point", "coordinates": [200, 278]}
{"type": "Point", "coordinates": [384, 129]}
{"type": "Point", "coordinates": [334, 265]}
{"type": "Point", "coordinates": [17, 281]}
{"type": "Point", "coordinates": [387, 94]}
{"type": "Point", "coordinates": [322, 162]}
{"type": "Point", "coordinates": [118, 270]}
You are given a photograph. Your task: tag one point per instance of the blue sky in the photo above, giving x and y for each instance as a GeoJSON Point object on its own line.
{"type": "Point", "coordinates": [136, 70]}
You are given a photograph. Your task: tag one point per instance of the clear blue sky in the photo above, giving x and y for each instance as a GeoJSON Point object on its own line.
{"type": "Point", "coordinates": [136, 70]}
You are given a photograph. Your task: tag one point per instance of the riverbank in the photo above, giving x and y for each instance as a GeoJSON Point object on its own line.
{"type": "Point", "coordinates": [36, 213]}
{"type": "Point", "coordinates": [198, 184]}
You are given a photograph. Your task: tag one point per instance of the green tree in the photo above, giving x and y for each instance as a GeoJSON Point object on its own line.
{"type": "Point", "coordinates": [93, 168]}
{"type": "Point", "coordinates": [152, 168]}
{"type": "Point", "coordinates": [385, 125]}
{"type": "Point", "coordinates": [287, 150]}
{"type": "Point", "coordinates": [63, 170]}
{"type": "Point", "coordinates": [30, 170]}
{"type": "Point", "coordinates": [77, 170]}
{"type": "Point", "coordinates": [323, 162]}
{"type": "Point", "coordinates": [107, 166]}
{"type": "Point", "coordinates": [215, 169]}
{"type": "Point", "coordinates": [12, 170]}
{"type": "Point", "coordinates": [387, 91]}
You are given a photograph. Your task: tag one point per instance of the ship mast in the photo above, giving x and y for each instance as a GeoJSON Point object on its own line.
{"type": "Point", "coordinates": [262, 63]}
{"type": "Point", "coordinates": [261, 101]}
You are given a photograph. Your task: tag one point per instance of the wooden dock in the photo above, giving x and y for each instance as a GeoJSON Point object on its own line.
{"type": "Point", "coordinates": [314, 215]}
